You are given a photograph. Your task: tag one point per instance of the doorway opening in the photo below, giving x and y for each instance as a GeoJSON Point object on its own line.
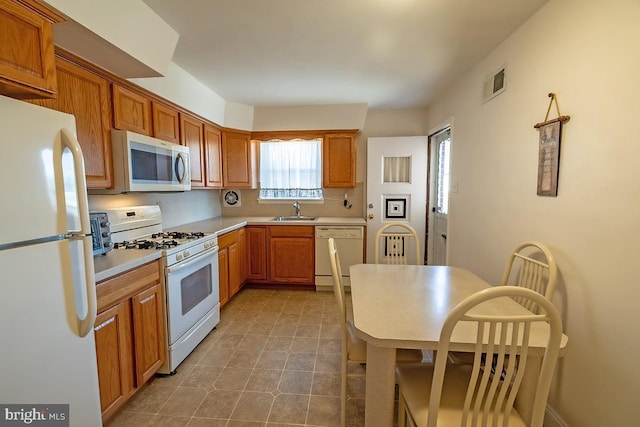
{"type": "Point", "coordinates": [438, 197]}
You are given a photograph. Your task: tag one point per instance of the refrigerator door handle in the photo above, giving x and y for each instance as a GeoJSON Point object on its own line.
{"type": "Point", "coordinates": [85, 325]}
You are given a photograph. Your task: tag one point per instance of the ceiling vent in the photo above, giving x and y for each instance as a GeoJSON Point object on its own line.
{"type": "Point", "coordinates": [494, 85]}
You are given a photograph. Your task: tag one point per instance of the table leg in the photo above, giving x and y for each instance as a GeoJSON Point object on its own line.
{"type": "Point", "coordinates": [380, 386]}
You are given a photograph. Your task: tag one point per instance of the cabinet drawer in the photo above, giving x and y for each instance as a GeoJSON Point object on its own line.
{"type": "Point", "coordinates": [121, 287]}
{"type": "Point", "coordinates": [228, 239]}
{"type": "Point", "coordinates": [291, 231]}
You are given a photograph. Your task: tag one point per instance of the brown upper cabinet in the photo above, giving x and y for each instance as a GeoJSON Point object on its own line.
{"type": "Point", "coordinates": [165, 123]}
{"type": "Point", "coordinates": [27, 61]}
{"type": "Point", "coordinates": [192, 136]}
{"type": "Point", "coordinates": [131, 111]}
{"type": "Point", "coordinates": [86, 96]}
{"type": "Point", "coordinates": [339, 160]}
{"type": "Point", "coordinates": [213, 150]}
{"type": "Point", "coordinates": [238, 160]}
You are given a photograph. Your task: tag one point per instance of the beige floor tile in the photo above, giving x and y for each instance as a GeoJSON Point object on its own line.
{"type": "Point", "coordinates": [296, 382]}
{"type": "Point", "coordinates": [218, 404]}
{"type": "Point", "coordinates": [322, 411]}
{"type": "Point", "coordinates": [326, 384]}
{"type": "Point", "coordinates": [150, 399]}
{"type": "Point", "coordinates": [289, 408]}
{"type": "Point", "coordinates": [232, 379]}
{"type": "Point", "coordinates": [300, 362]}
{"type": "Point", "coordinates": [304, 345]}
{"type": "Point", "coordinates": [272, 361]}
{"type": "Point", "coordinates": [207, 422]}
{"type": "Point", "coordinates": [253, 406]}
{"type": "Point", "coordinates": [183, 402]}
{"type": "Point", "coordinates": [129, 419]}
{"type": "Point", "coordinates": [264, 380]}
{"type": "Point", "coordinates": [170, 421]}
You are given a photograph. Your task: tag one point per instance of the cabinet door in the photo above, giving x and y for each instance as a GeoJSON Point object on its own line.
{"type": "Point", "coordinates": [242, 256]}
{"type": "Point", "coordinates": [131, 111]}
{"type": "Point", "coordinates": [213, 146]}
{"type": "Point", "coordinates": [148, 332]}
{"type": "Point", "coordinates": [165, 123]}
{"type": "Point", "coordinates": [234, 270]}
{"type": "Point", "coordinates": [113, 350]}
{"type": "Point", "coordinates": [27, 63]}
{"type": "Point", "coordinates": [339, 160]}
{"type": "Point", "coordinates": [191, 135]}
{"type": "Point", "coordinates": [238, 160]}
{"type": "Point", "coordinates": [291, 254]}
{"type": "Point", "coordinates": [86, 96]}
{"type": "Point", "coordinates": [223, 275]}
{"type": "Point", "coordinates": [256, 253]}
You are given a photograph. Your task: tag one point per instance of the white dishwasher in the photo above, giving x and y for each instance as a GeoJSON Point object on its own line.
{"type": "Point", "coordinates": [349, 242]}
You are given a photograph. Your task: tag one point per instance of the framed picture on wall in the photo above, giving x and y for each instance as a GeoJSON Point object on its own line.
{"type": "Point", "coordinates": [549, 159]}
{"type": "Point", "coordinates": [395, 208]}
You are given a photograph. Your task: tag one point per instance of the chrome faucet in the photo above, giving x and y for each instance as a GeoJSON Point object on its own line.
{"type": "Point", "coordinates": [297, 206]}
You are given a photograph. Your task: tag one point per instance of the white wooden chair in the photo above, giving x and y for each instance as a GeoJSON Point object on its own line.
{"type": "Point", "coordinates": [354, 349]}
{"type": "Point", "coordinates": [531, 265]}
{"type": "Point", "coordinates": [393, 243]}
{"type": "Point", "coordinates": [527, 270]}
{"type": "Point", "coordinates": [445, 394]}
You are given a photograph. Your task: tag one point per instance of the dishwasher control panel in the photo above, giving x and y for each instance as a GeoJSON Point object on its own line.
{"type": "Point", "coordinates": [339, 232]}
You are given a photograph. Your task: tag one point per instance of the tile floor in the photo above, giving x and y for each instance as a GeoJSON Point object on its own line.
{"type": "Point", "coordinates": [273, 361]}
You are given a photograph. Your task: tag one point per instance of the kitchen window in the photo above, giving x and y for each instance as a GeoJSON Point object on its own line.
{"type": "Point", "coordinates": [291, 170]}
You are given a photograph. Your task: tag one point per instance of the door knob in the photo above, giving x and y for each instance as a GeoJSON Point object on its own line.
{"type": "Point", "coordinates": [370, 216]}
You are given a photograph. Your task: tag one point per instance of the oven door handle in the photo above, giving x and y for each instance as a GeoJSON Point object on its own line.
{"type": "Point", "coordinates": [189, 262]}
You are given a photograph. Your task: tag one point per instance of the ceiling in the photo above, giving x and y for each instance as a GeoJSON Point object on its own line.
{"type": "Point", "coordinates": [388, 54]}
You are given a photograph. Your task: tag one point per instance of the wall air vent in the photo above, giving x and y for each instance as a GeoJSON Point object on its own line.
{"type": "Point", "coordinates": [494, 85]}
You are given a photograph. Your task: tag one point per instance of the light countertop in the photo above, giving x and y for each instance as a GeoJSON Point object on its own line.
{"type": "Point", "coordinates": [119, 261]}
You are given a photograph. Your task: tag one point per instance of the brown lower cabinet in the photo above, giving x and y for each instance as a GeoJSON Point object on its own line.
{"type": "Point", "coordinates": [130, 334]}
{"type": "Point", "coordinates": [281, 255]}
{"type": "Point", "coordinates": [232, 263]}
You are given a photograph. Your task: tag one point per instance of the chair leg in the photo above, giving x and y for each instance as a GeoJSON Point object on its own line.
{"type": "Point", "coordinates": [402, 407]}
{"type": "Point", "coordinates": [343, 394]}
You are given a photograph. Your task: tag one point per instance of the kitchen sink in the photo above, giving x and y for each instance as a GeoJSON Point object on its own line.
{"type": "Point", "coordinates": [295, 218]}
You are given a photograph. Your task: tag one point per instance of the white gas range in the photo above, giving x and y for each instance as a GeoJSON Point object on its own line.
{"type": "Point", "coordinates": [190, 264]}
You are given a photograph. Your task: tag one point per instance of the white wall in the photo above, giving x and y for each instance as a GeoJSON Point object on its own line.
{"type": "Point", "coordinates": [587, 52]}
{"type": "Point", "coordinates": [177, 208]}
{"type": "Point", "coordinates": [182, 88]}
{"type": "Point", "coordinates": [128, 25]}
{"type": "Point", "coordinates": [310, 117]}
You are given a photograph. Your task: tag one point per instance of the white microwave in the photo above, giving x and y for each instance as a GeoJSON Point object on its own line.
{"type": "Point", "coordinates": [145, 164]}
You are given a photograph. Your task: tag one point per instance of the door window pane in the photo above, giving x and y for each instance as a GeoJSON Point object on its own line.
{"type": "Point", "coordinates": [396, 169]}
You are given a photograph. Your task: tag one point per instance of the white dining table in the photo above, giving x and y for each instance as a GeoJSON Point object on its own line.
{"type": "Point", "coordinates": [405, 306]}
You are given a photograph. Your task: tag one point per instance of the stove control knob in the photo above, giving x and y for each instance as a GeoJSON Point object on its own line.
{"type": "Point", "coordinates": [207, 245]}
{"type": "Point", "coordinates": [186, 254]}
{"type": "Point", "coordinates": [178, 257]}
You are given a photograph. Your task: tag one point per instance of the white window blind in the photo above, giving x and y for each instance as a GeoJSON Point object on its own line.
{"type": "Point", "coordinates": [291, 169]}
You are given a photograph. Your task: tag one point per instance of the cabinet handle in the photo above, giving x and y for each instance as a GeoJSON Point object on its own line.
{"type": "Point", "coordinates": [147, 299]}
{"type": "Point", "coordinates": [105, 323]}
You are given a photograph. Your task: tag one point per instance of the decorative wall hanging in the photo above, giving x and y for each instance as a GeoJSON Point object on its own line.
{"type": "Point", "coordinates": [395, 207]}
{"type": "Point", "coordinates": [549, 151]}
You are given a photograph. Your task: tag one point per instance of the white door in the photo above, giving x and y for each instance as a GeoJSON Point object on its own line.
{"type": "Point", "coordinates": [396, 186]}
{"type": "Point", "coordinates": [440, 148]}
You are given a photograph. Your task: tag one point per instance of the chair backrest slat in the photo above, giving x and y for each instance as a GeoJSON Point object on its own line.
{"type": "Point", "coordinates": [397, 243]}
{"type": "Point", "coordinates": [500, 359]}
{"type": "Point", "coordinates": [539, 274]}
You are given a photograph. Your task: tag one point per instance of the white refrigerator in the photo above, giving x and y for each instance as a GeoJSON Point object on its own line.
{"type": "Point", "coordinates": [47, 289]}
